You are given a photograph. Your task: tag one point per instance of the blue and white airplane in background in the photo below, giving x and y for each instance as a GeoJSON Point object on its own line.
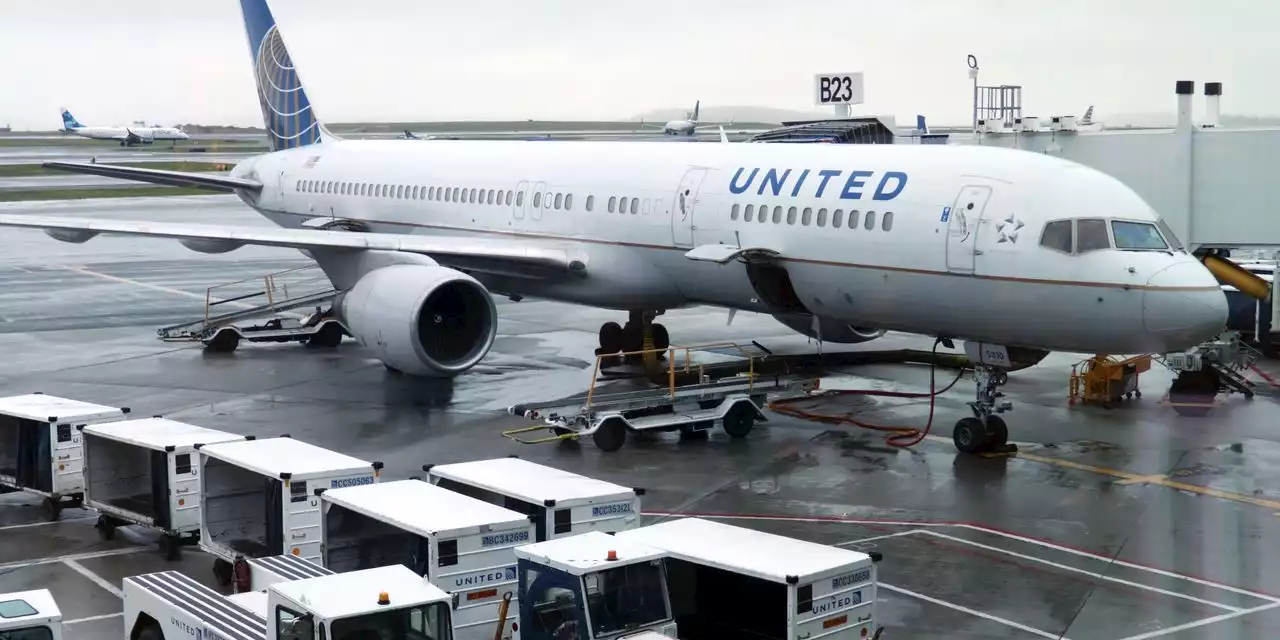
{"type": "Point", "coordinates": [124, 135]}
{"type": "Point", "coordinates": [1023, 253]}
{"type": "Point", "coordinates": [687, 127]}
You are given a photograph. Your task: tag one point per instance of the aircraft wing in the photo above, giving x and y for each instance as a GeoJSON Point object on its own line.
{"type": "Point", "coordinates": [159, 176]}
{"type": "Point", "coordinates": [487, 255]}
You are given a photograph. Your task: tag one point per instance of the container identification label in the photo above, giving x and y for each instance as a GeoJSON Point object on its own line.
{"type": "Point", "coordinates": [622, 508]}
{"type": "Point", "coordinates": [504, 538]}
{"type": "Point", "coordinates": [850, 579]}
{"type": "Point", "coordinates": [350, 482]}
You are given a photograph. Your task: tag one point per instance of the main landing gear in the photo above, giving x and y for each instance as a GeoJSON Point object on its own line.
{"type": "Point", "coordinates": [631, 336]}
{"type": "Point", "coordinates": [986, 431]}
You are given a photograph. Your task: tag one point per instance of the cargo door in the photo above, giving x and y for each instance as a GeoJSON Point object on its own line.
{"type": "Point", "coordinates": [962, 219]}
{"type": "Point", "coordinates": [273, 537]}
{"type": "Point", "coordinates": [160, 489]}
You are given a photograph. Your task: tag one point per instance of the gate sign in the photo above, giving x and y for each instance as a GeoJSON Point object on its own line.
{"type": "Point", "coordinates": [837, 88]}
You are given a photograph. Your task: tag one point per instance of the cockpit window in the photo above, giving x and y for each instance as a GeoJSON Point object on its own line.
{"type": "Point", "coordinates": [1057, 236]}
{"type": "Point", "coordinates": [1137, 235]}
{"type": "Point", "coordinates": [1091, 235]}
{"type": "Point", "coordinates": [1167, 232]}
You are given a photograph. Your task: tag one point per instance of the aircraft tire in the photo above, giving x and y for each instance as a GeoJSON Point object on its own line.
{"type": "Point", "coordinates": [970, 435]}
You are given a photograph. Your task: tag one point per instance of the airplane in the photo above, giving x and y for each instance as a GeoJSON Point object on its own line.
{"type": "Point", "coordinates": [1016, 253]}
{"type": "Point", "coordinates": [686, 127]}
{"type": "Point", "coordinates": [125, 135]}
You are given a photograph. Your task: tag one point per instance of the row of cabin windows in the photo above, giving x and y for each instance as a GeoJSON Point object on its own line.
{"type": "Point", "coordinates": [548, 200]}
{"type": "Point", "coordinates": [634, 205]}
{"type": "Point", "coordinates": [808, 216]}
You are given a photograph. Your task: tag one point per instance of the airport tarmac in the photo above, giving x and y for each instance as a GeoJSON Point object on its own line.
{"type": "Point", "coordinates": [1124, 524]}
{"type": "Point", "coordinates": [109, 154]}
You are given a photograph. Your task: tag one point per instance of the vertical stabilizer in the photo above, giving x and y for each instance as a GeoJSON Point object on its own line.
{"type": "Point", "coordinates": [286, 112]}
{"type": "Point", "coordinates": [69, 121]}
{"type": "Point", "coordinates": [696, 105]}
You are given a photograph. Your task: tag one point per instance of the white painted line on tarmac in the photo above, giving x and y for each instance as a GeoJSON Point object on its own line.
{"type": "Point", "coordinates": [874, 538]}
{"type": "Point", "coordinates": [42, 523]}
{"type": "Point", "coordinates": [1200, 623]}
{"type": "Point", "coordinates": [9, 566]}
{"type": "Point", "coordinates": [1131, 565]}
{"type": "Point", "coordinates": [973, 612]}
{"type": "Point", "coordinates": [95, 578]}
{"type": "Point", "coordinates": [105, 616]}
{"type": "Point", "coordinates": [1091, 574]}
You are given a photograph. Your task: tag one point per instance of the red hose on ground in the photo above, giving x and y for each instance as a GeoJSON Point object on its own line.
{"type": "Point", "coordinates": [901, 436]}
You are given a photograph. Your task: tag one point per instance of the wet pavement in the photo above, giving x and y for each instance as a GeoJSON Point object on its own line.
{"type": "Point", "coordinates": [1129, 523]}
{"type": "Point", "coordinates": [111, 153]}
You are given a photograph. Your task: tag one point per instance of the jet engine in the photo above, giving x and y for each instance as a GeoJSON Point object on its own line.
{"type": "Point", "coordinates": [832, 330]}
{"type": "Point", "coordinates": [421, 319]}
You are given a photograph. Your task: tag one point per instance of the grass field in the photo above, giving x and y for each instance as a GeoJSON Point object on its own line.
{"type": "Point", "coordinates": [81, 194]}
{"type": "Point", "coordinates": [23, 170]}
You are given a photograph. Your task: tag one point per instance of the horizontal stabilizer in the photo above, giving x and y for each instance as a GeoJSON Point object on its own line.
{"type": "Point", "coordinates": [159, 176]}
{"type": "Point", "coordinates": [491, 255]}
{"type": "Point", "coordinates": [723, 253]}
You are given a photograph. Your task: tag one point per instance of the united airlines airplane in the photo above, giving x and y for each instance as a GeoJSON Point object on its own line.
{"type": "Point", "coordinates": [1023, 253]}
{"type": "Point", "coordinates": [125, 135]}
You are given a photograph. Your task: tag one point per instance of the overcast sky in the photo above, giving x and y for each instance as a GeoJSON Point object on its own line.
{"type": "Point", "coordinates": [387, 60]}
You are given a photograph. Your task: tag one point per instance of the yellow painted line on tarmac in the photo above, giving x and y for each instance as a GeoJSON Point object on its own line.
{"type": "Point", "coordinates": [1127, 478]}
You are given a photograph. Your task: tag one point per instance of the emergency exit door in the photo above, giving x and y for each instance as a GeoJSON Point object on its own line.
{"type": "Point", "coordinates": [686, 201]}
{"type": "Point", "coordinates": [962, 219]}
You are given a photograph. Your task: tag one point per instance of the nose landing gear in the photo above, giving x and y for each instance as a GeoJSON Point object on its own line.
{"type": "Point", "coordinates": [985, 432]}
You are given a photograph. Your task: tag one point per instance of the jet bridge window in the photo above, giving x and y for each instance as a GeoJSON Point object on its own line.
{"type": "Point", "coordinates": [1057, 235]}
{"type": "Point", "coordinates": [1137, 235]}
{"type": "Point", "coordinates": [1091, 235]}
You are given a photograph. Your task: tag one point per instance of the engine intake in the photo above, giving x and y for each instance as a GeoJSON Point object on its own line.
{"type": "Point", "coordinates": [422, 320]}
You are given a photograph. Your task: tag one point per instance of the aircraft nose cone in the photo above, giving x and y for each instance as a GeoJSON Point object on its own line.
{"type": "Point", "coordinates": [1183, 306]}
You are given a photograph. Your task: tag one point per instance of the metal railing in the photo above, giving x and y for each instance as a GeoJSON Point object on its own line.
{"type": "Point", "coordinates": [278, 287]}
{"type": "Point", "coordinates": [670, 352]}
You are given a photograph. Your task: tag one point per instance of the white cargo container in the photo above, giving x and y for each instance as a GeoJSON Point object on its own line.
{"type": "Point", "coordinates": [256, 498]}
{"type": "Point", "coordinates": [560, 503]}
{"type": "Point", "coordinates": [386, 602]}
{"type": "Point", "coordinates": [30, 615]}
{"type": "Point", "coordinates": [143, 472]}
{"type": "Point", "coordinates": [460, 544]}
{"type": "Point", "coordinates": [593, 586]}
{"type": "Point", "coordinates": [731, 582]}
{"type": "Point", "coordinates": [40, 450]}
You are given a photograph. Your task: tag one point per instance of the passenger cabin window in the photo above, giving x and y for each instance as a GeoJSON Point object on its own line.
{"type": "Point", "coordinates": [777, 215]}
{"type": "Point", "coordinates": [822, 218]}
{"type": "Point", "coordinates": [612, 202]}
{"type": "Point", "coordinates": [635, 206]}
{"type": "Point", "coordinates": [806, 218]}
{"type": "Point", "coordinates": [837, 218]}
{"type": "Point", "coordinates": [591, 203]}
{"type": "Point", "coordinates": [1137, 235]}
{"type": "Point", "coordinates": [869, 221]}
{"type": "Point", "coordinates": [791, 215]}
{"type": "Point", "coordinates": [1057, 236]}
{"type": "Point", "coordinates": [886, 222]}
{"type": "Point", "coordinates": [733, 213]}
{"type": "Point", "coordinates": [852, 223]}
{"type": "Point", "coordinates": [520, 199]}
{"type": "Point", "coordinates": [537, 199]}
{"type": "Point", "coordinates": [746, 213]}
{"type": "Point", "coordinates": [1091, 235]}
{"type": "Point", "coordinates": [559, 200]}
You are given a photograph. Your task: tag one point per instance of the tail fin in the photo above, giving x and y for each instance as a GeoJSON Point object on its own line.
{"type": "Point", "coordinates": [69, 121]}
{"type": "Point", "coordinates": [695, 110]}
{"type": "Point", "coordinates": [921, 125]}
{"type": "Point", "coordinates": [286, 111]}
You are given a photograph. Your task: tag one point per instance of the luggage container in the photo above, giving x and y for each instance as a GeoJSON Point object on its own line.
{"type": "Point", "coordinates": [594, 586]}
{"type": "Point", "coordinates": [30, 615]}
{"type": "Point", "coordinates": [40, 449]}
{"type": "Point", "coordinates": [731, 582]}
{"type": "Point", "coordinates": [256, 499]}
{"type": "Point", "coordinates": [143, 472]}
{"type": "Point", "coordinates": [560, 503]}
{"type": "Point", "coordinates": [460, 544]}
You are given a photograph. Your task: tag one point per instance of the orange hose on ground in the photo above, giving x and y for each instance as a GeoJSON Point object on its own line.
{"type": "Point", "coordinates": [903, 437]}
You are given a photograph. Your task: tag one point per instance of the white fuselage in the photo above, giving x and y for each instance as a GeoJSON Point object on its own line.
{"type": "Point", "coordinates": [122, 133]}
{"type": "Point", "coordinates": [921, 261]}
{"type": "Point", "coordinates": [680, 128]}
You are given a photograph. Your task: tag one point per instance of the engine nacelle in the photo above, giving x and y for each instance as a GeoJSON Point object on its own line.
{"type": "Point", "coordinates": [422, 320]}
{"type": "Point", "coordinates": [832, 330]}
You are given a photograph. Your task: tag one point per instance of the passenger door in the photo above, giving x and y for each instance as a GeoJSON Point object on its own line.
{"type": "Point", "coordinates": [962, 219]}
{"type": "Point", "coordinates": [683, 206]}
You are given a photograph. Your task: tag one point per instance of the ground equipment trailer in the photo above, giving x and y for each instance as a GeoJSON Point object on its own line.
{"type": "Point", "coordinates": [593, 586]}
{"type": "Point", "coordinates": [560, 503]}
{"type": "Point", "coordinates": [277, 296]}
{"type": "Point", "coordinates": [386, 602]}
{"type": "Point", "coordinates": [257, 499]}
{"type": "Point", "coordinates": [462, 545]}
{"type": "Point", "coordinates": [144, 472]}
{"type": "Point", "coordinates": [694, 398]}
{"type": "Point", "coordinates": [40, 448]}
{"type": "Point", "coordinates": [30, 615]}
{"type": "Point", "coordinates": [732, 582]}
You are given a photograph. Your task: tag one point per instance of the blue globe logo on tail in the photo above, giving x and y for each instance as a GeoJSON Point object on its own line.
{"type": "Point", "coordinates": [286, 111]}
